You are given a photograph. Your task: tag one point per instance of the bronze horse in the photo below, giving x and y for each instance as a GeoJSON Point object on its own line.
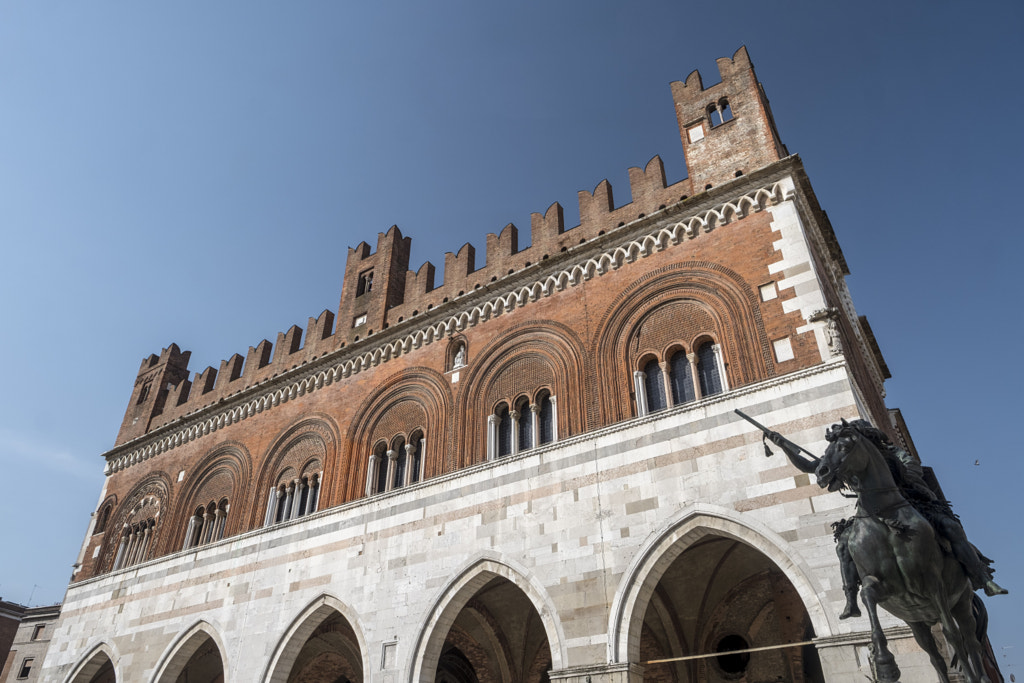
{"type": "Point", "coordinates": [899, 558]}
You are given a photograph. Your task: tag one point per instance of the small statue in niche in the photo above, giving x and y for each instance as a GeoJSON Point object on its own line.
{"type": "Point", "coordinates": [460, 358]}
{"type": "Point", "coordinates": [835, 344]}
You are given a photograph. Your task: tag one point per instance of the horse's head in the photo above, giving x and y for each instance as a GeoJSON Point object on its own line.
{"type": "Point", "coordinates": [844, 458]}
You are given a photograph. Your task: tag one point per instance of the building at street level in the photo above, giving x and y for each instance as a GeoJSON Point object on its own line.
{"type": "Point", "coordinates": [526, 470]}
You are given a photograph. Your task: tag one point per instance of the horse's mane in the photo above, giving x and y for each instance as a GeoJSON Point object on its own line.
{"type": "Point", "coordinates": [907, 473]}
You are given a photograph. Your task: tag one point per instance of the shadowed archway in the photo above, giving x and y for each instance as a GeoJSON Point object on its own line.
{"type": "Point", "coordinates": [321, 646]}
{"type": "Point", "coordinates": [196, 657]}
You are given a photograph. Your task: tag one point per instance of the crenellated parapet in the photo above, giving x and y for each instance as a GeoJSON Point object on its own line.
{"type": "Point", "coordinates": [726, 130]}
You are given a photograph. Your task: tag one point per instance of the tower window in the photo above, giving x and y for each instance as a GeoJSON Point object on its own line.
{"type": "Point", "coordinates": [365, 282]}
{"type": "Point", "coordinates": [719, 112]}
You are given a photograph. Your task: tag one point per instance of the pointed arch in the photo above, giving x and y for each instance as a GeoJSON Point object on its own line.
{"type": "Point", "coordinates": [180, 651]}
{"type": "Point", "coordinates": [683, 531]}
{"type": "Point", "coordinates": [458, 591]}
{"type": "Point", "coordinates": [302, 627]}
{"type": "Point", "coordinates": [523, 359]}
{"type": "Point", "coordinates": [416, 399]}
{"type": "Point", "coordinates": [92, 662]}
{"type": "Point", "coordinates": [310, 442]}
{"type": "Point", "coordinates": [716, 300]}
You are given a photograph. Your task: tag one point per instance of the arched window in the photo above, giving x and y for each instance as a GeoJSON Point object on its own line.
{"type": "Point", "coordinates": [654, 384]}
{"type": "Point", "coordinates": [382, 469]}
{"type": "Point", "coordinates": [524, 417]}
{"type": "Point", "coordinates": [546, 427]}
{"type": "Point", "coordinates": [681, 378]}
{"type": "Point", "coordinates": [136, 540]}
{"type": "Point", "coordinates": [714, 116]}
{"type": "Point", "coordinates": [504, 430]}
{"type": "Point", "coordinates": [719, 112]}
{"type": "Point", "coordinates": [206, 525]}
{"type": "Point", "coordinates": [708, 370]}
{"type": "Point", "coordinates": [399, 457]}
{"type": "Point", "coordinates": [414, 450]}
{"type": "Point", "coordinates": [397, 466]}
{"type": "Point", "coordinates": [293, 497]}
{"type": "Point", "coordinates": [104, 517]}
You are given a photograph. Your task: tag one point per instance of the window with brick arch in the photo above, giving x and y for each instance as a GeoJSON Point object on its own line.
{"type": "Point", "coordinates": [396, 464]}
{"type": "Point", "coordinates": [654, 385]}
{"type": "Point", "coordinates": [294, 496]}
{"type": "Point", "coordinates": [206, 525]}
{"type": "Point", "coordinates": [528, 425]}
{"type": "Point", "coordinates": [136, 543]}
{"type": "Point", "coordinates": [138, 533]}
{"type": "Point", "coordinates": [681, 378]}
{"type": "Point", "coordinates": [687, 376]}
{"type": "Point", "coordinates": [719, 112]}
{"type": "Point", "coordinates": [104, 517]}
{"type": "Point", "coordinates": [546, 426]}
{"type": "Point", "coordinates": [708, 371]}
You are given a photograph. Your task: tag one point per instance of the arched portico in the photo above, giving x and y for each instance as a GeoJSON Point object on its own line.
{"type": "Point", "coordinates": [331, 621]}
{"type": "Point", "coordinates": [96, 667]}
{"type": "Point", "coordinates": [481, 576]}
{"type": "Point", "coordinates": [692, 525]}
{"type": "Point", "coordinates": [199, 651]}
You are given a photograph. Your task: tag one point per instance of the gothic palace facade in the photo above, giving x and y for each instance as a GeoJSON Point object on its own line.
{"type": "Point", "coordinates": [530, 471]}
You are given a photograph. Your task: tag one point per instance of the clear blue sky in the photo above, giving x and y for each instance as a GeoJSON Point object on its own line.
{"type": "Point", "coordinates": [194, 172]}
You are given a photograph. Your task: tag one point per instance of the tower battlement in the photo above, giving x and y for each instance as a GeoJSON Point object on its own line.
{"type": "Point", "coordinates": [726, 131]}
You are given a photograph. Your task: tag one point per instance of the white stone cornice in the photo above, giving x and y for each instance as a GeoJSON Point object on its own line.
{"type": "Point", "coordinates": [323, 374]}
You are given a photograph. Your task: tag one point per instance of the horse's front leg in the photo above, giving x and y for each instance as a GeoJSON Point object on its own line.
{"type": "Point", "coordinates": [924, 638]}
{"type": "Point", "coordinates": [884, 663]}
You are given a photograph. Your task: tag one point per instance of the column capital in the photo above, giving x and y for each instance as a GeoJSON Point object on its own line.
{"type": "Point", "coordinates": [492, 419]}
{"type": "Point", "coordinates": [392, 455]}
{"type": "Point", "coordinates": [534, 408]}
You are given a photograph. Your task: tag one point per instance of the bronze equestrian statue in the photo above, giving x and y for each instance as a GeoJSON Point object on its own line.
{"type": "Point", "coordinates": [904, 547]}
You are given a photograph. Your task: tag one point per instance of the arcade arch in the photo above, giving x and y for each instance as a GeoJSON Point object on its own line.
{"type": "Point", "coordinates": [323, 645]}
{"type": "Point", "coordinates": [195, 657]}
{"type": "Point", "coordinates": [96, 667]}
{"type": "Point", "coordinates": [709, 585]}
{"type": "Point", "coordinates": [490, 624]}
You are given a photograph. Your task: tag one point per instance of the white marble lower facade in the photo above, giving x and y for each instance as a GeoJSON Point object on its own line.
{"type": "Point", "coordinates": [585, 528]}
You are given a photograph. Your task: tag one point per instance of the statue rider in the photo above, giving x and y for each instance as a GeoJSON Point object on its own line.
{"type": "Point", "coordinates": [907, 474]}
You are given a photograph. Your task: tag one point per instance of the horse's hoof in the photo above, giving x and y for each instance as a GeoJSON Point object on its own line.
{"type": "Point", "coordinates": [886, 671]}
{"type": "Point", "coordinates": [992, 588]}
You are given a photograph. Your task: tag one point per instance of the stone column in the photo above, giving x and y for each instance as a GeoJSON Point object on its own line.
{"type": "Point", "coordinates": [389, 482]}
{"type": "Point", "coordinates": [694, 375]}
{"type": "Point", "coordinates": [271, 506]}
{"type": "Point", "coordinates": [296, 510]}
{"type": "Point", "coordinates": [288, 498]}
{"type": "Point", "coordinates": [535, 423]}
{"type": "Point", "coordinates": [666, 378]}
{"type": "Point", "coordinates": [640, 389]}
{"type": "Point", "coordinates": [143, 544]}
{"type": "Point", "coordinates": [423, 457]}
{"type": "Point", "coordinates": [720, 362]}
{"type": "Point", "coordinates": [218, 525]}
{"type": "Point", "coordinates": [188, 533]}
{"type": "Point", "coordinates": [371, 470]}
{"type": "Point", "coordinates": [119, 557]}
{"type": "Point", "coordinates": [410, 451]}
{"type": "Point", "coordinates": [514, 416]}
{"type": "Point", "coordinates": [554, 417]}
{"type": "Point", "coordinates": [492, 437]}
{"type": "Point", "coordinates": [314, 492]}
